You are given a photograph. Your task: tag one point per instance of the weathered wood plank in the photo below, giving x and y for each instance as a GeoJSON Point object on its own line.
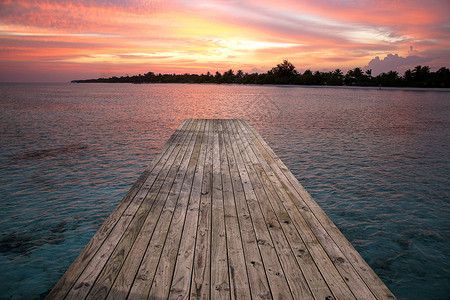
{"type": "Point", "coordinates": [136, 194]}
{"type": "Point", "coordinates": [344, 256]}
{"type": "Point", "coordinates": [220, 286]}
{"type": "Point", "coordinates": [201, 272]}
{"type": "Point", "coordinates": [273, 187]}
{"type": "Point", "coordinates": [274, 272]}
{"type": "Point", "coordinates": [163, 207]}
{"type": "Point", "coordinates": [333, 278]}
{"type": "Point", "coordinates": [257, 278]}
{"type": "Point", "coordinates": [239, 285]}
{"type": "Point", "coordinates": [297, 283]}
{"type": "Point", "coordinates": [154, 231]}
{"type": "Point", "coordinates": [152, 258]}
{"type": "Point", "coordinates": [119, 240]}
{"type": "Point", "coordinates": [179, 286]}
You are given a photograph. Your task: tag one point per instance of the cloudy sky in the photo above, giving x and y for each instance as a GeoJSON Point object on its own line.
{"type": "Point", "coordinates": [61, 40]}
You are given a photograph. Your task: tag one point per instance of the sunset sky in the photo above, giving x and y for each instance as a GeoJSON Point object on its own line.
{"type": "Point", "coordinates": [61, 40]}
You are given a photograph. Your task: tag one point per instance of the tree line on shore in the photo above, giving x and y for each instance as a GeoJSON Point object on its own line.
{"type": "Point", "coordinates": [285, 73]}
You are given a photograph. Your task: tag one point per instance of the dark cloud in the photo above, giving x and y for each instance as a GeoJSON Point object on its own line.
{"type": "Point", "coordinates": [394, 62]}
{"type": "Point", "coordinates": [412, 50]}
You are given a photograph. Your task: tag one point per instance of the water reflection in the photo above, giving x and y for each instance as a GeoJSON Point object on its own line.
{"type": "Point", "coordinates": [376, 161]}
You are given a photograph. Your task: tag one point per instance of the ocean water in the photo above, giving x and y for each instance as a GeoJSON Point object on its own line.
{"type": "Point", "coordinates": [377, 162]}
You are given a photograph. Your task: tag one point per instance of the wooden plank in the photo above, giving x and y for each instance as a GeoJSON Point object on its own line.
{"type": "Point", "coordinates": [148, 268]}
{"type": "Point", "coordinates": [344, 256]}
{"type": "Point", "coordinates": [154, 231]}
{"type": "Point", "coordinates": [220, 285]}
{"type": "Point", "coordinates": [333, 278]}
{"type": "Point", "coordinates": [376, 286]}
{"type": "Point", "coordinates": [272, 186]}
{"type": "Point", "coordinates": [135, 194]}
{"type": "Point", "coordinates": [120, 241]}
{"type": "Point", "coordinates": [177, 282]}
{"type": "Point", "coordinates": [239, 285]}
{"type": "Point", "coordinates": [297, 283]}
{"type": "Point", "coordinates": [259, 285]}
{"type": "Point", "coordinates": [201, 272]}
{"type": "Point", "coordinates": [274, 272]}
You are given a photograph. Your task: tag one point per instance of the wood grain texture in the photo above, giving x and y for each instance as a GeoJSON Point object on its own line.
{"type": "Point", "coordinates": [217, 215]}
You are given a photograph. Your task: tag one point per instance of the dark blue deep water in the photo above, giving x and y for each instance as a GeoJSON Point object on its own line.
{"type": "Point", "coordinates": [377, 161]}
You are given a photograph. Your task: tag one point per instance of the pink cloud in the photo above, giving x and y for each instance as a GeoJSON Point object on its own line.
{"type": "Point", "coordinates": [124, 36]}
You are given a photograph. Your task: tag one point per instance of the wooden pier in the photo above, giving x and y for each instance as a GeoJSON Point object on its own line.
{"type": "Point", "coordinates": [217, 215]}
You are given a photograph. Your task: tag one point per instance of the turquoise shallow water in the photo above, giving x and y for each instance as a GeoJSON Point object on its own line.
{"type": "Point", "coordinates": [377, 161]}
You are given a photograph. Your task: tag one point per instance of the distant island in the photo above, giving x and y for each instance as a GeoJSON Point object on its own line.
{"type": "Point", "coordinates": [285, 73]}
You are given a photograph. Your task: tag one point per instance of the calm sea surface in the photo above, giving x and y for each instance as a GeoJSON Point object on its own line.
{"type": "Point", "coordinates": [377, 161]}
